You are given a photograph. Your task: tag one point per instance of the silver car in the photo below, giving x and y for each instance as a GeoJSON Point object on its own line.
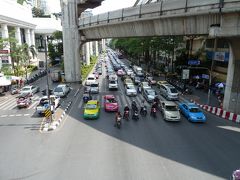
{"type": "Point", "coordinates": [149, 94]}
{"type": "Point", "coordinates": [130, 90]}
{"type": "Point", "coordinates": [30, 90]}
{"type": "Point", "coordinates": [170, 111]}
{"type": "Point", "coordinates": [94, 88]}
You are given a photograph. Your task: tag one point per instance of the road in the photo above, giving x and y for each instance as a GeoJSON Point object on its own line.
{"type": "Point", "coordinates": [94, 149]}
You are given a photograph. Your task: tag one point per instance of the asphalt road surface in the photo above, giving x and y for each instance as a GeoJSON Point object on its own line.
{"type": "Point", "coordinates": [149, 149]}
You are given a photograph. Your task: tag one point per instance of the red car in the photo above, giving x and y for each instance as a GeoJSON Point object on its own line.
{"type": "Point", "coordinates": [24, 100]}
{"type": "Point", "coordinates": [110, 103]}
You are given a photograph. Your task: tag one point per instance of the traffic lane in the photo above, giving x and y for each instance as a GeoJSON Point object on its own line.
{"type": "Point", "coordinates": [167, 142]}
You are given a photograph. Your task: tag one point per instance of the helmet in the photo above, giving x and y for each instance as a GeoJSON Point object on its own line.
{"type": "Point", "coordinates": [126, 105]}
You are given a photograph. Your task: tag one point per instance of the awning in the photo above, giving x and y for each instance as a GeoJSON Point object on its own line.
{"type": "Point", "coordinates": [4, 81]}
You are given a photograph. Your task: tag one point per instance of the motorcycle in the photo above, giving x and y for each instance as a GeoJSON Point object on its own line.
{"type": "Point", "coordinates": [143, 111]}
{"type": "Point", "coordinates": [126, 115]}
{"type": "Point", "coordinates": [153, 112]}
{"type": "Point", "coordinates": [135, 116]}
{"type": "Point", "coordinates": [118, 124]}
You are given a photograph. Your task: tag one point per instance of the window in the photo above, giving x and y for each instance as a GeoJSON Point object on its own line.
{"type": "Point", "coordinates": [171, 108]}
{"type": "Point", "coordinates": [91, 106]}
{"type": "Point", "coordinates": [195, 110]}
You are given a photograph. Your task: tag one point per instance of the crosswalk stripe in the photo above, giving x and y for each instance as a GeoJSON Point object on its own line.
{"type": "Point", "coordinates": [129, 102]}
{"type": "Point", "coordinates": [102, 101]}
{"type": "Point", "coordinates": [33, 104]}
{"type": "Point", "coordinates": [138, 100]}
{"type": "Point", "coordinates": [9, 105]}
{"type": "Point", "coordinates": [119, 101]}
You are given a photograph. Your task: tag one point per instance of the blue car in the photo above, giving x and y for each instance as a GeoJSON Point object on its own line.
{"type": "Point", "coordinates": [192, 112]}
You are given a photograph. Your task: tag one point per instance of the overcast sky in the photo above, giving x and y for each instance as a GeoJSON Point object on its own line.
{"type": "Point", "coordinates": [107, 5]}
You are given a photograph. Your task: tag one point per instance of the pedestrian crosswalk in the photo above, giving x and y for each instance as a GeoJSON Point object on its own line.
{"type": "Point", "coordinates": [10, 102]}
{"type": "Point", "coordinates": [121, 99]}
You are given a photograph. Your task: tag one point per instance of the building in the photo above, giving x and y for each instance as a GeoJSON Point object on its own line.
{"type": "Point", "coordinates": [18, 19]}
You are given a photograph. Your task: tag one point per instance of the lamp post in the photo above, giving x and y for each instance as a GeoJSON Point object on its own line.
{"type": "Point", "coordinates": [46, 67]}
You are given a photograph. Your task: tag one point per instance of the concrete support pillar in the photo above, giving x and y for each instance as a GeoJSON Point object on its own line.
{"type": "Point", "coordinates": [103, 45]}
{"type": "Point", "coordinates": [232, 90]}
{"type": "Point", "coordinates": [28, 37]}
{"type": "Point", "coordinates": [18, 35]}
{"type": "Point", "coordinates": [4, 31]}
{"type": "Point", "coordinates": [91, 48]}
{"type": "Point", "coordinates": [32, 35]}
{"type": "Point", "coordinates": [71, 39]}
{"type": "Point", "coordinates": [87, 53]}
{"type": "Point", "coordinates": [96, 47]}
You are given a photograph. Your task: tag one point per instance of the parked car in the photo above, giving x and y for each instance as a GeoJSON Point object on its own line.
{"type": "Point", "coordinates": [44, 104]}
{"type": "Point", "coordinates": [24, 100]}
{"type": "Point", "coordinates": [149, 94]}
{"type": "Point", "coordinates": [91, 110]}
{"type": "Point", "coordinates": [30, 90]}
{"type": "Point", "coordinates": [169, 111]}
{"type": "Point", "coordinates": [130, 90]}
{"type": "Point", "coordinates": [192, 112]}
{"type": "Point", "coordinates": [110, 103]}
{"type": "Point", "coordinates": [61, 90]}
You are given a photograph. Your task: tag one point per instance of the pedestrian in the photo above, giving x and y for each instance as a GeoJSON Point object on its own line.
{"type": "Point", "coordinates": [21, 83]}
{"type": "Point", "coordinates": [139, 89]}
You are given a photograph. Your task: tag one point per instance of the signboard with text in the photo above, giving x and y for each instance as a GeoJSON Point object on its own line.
{"type": "Point", "coordinates": [185, 73]}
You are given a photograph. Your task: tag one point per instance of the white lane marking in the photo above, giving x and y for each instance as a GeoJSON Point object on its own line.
{"type": "Point", "coordinates": [4, 116]}
{"type": "Point", "coordinates": [119, 101]}
{"type": "Point", "coordinates": [26, 114]}
{"type": "Point", "coordinates": [102, 101]}
{"type": "Point", "coordinates": [8, 104]}
{"type": "Point", "coordinates": [18, 114]}
{"type": "Point", "coordinates": [11, 115]}
{"type": "Point", "coordinates": [123, 98]}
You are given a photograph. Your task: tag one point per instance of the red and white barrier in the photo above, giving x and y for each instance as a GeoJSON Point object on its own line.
{"type": "Point", "coordinates": [220, 112]}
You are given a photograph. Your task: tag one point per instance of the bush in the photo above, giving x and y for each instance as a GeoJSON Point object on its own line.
{"type": "Point", "coordinates": [86, 69]}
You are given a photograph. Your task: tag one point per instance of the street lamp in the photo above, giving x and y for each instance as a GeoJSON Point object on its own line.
{"type": "Point", "coordinates": [46, 67]}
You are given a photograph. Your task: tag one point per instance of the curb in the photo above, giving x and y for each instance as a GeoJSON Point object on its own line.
{"type": "Point", "coordinates": [52, 126]}
{"type": "Point", "coordinates": [220, 112]}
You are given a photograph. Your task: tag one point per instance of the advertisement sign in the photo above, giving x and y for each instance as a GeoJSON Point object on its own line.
{"type": "Point", "coordinates": [205, 76]}
{"type": "Point", "coordinates": [185, 74]}
{"type": "Point", "coordinates": [219, 56]}
{"type": "Point", "coordinates": [193, 62]}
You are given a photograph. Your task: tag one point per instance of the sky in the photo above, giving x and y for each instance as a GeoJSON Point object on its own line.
{"type": "Point", "coordinates": [107, 5]}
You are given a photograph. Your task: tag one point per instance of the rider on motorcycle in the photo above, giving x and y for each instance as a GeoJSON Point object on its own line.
{"type": "Point", "coordinates": [118, 115]}
{"type": "Point", "coordinates": [134, 106]}
{"type": "Point", "coordinates": [142, 105]}
{"type": "Point", "coordinates": [154, 106]}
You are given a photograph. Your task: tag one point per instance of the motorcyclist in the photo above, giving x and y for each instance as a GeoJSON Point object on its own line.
{"type": "Point", "coordinates": [117, 115]}
{"type": "Point", "coordinates": [142, 105]}
{"type": "Point", "coordinates": [156, 101]}
{"type": "Point", "coordinates": [154, 105]}
{"type": "Point", "coordinates": [134, 106]}
{"type": "Point", "coordinates": [126, 108]}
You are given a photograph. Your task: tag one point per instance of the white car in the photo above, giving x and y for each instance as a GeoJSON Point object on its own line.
{"type": "Point", "coordinates": [61, 90]}
{"type": "Point", "coordinates": [90, 79]}
{"type": "Point", "coordinates": [113, 84]}
{"type": "Point", "coordinates": [130, 90]}
{"type": "Point", "coordinates": [169, 111]}
{"type": "Point", "coordinates": [129, 72]}
{"type": "Point", "coordinates": [30, 90]}
{"type": "Point", "coordinates": [44, 104]}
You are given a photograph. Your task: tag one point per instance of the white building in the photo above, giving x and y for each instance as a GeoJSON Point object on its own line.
{"type": "Point", "coordinates": [18, 18]}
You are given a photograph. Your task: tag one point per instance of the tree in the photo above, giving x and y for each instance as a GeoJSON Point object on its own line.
{"type": "Point", "coordinates": [21, 1]}
{"type": "Point", "coordinates": [37, 12]}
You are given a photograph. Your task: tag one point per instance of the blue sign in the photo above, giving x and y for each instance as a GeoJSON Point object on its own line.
{"type": "Point", "coordinates": [218, 56]}
{"type": "Point", "coordinates": [192, 62]}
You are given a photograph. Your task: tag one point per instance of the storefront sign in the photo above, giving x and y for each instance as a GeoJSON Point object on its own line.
{"type": "Point", "coordinates": [193, 62]}
{"type": "Point", "coordinates": [185, 74]}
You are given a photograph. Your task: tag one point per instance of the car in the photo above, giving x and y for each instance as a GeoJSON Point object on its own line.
{"type": "Point", "coordinates": [99, 70]}
{"type": "Point", "coordinates": [90, 79]}
{"type": "Point", "coordinates": [24, 100]}
{"type": "Point", "coordinates": [144, 84]}
{"type": "Point", "coordinates": [236, 175]}
{"type": "Point", "coordinates": [136, 80]}
{"type": "Point", "coordinates": [192, 112]}
{"type": "Point", "coordinates": [44, 104]}
{"type": "Point", "coordinates": [151, 80]}
{"type": "Point", "coordinates": [30, 90]}
{"type": "Point", "coordinates": [169, 111]}
{"type": "Point", "coordinates": [91, 110]}
{"type": "Point", "coordinates": [160, 83]}
{"type": "Point", "coordinates": [61, 90]}
{"type": "Point", "coordinates": [169, 92]}
{"type": "Point", "coordinates": [130, 90]}
{"type": "Point", "coordinates": [128, 81]}
{"type": "Point", "coordinates": [96, 75]}
{"type": "Point", "coordinates": [94, 88]}
{"type": "Point", "coordinates": [120, 72]}
{"type": "Point", "coordinates": [112, 84]}
{"type": "Point", "coordinates": [149, 94]}
{"type": "Point", "coordinates": [129, 72]}
{"type": "Point", "coordinates": [110, 103]}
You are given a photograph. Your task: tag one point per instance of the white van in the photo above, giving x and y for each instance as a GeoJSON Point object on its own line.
{"type": "Point", "coordinates": [169, 92]}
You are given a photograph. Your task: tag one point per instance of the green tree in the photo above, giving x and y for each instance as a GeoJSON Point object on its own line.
{"type": "Point", "coordinates": [21, 1]}
{"type": "Point", "coordinates": [37, 12]}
